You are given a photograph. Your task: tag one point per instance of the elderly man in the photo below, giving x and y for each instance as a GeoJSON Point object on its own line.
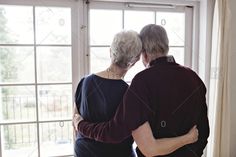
{"type": "Point", "coordinates": [169, 96]}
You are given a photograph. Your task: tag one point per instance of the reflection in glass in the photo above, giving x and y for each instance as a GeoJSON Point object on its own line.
{"type": "Point", "coordinates": [17, 103]}
{"type": "Point", "coordinates": [99, 59]}
{"type": "Point", "coordinates": [178, 54]}
{"type": "Point", "coordinates": [55, 101]}
{"type": "Point", "coordinates": [53, 25]}
{"type": "Point", "coordinates": [15, 63]}
{"type": "Point", "coordinates": [16, 24]}
{"type": "Point", "coordinates": [174, 23]}
{"type": "Point", "coordinates": [56, 139]}
{"type": "Point", "coordinates": [20, 140]}
{"type": "Point", "coordinates": [136, 20]}
{"type": "Point", "coordinates": [104, 24]}
{"type": "Point", "coordinates": [54, 64]}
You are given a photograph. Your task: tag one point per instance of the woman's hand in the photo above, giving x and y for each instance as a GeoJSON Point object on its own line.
{"type": "Point", "coordinates": [76, 119]}
{"type": "Point", "coordinates": [192, 135]}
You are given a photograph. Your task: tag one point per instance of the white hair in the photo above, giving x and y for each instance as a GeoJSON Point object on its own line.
{"type": "Point", "coordinates": [126, 48]}
{"type": "Point", "coordinates": [154, 39]}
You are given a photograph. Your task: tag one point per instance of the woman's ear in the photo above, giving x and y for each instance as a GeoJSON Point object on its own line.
{"type": "Point", "coordinates": [110, 52]}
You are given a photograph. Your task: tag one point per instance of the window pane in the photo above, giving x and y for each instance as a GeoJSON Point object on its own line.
{"type": "Point", "coordinates": [55, 102]}
{"type": "Point", "coordinates": [104, 24]}
{"type": "Point", "coordinates": [133, 71]}
{"type": "Point", "coordinates": [17, 103]}
{"type": "Point", "coordinates": [53, 25]}
{"type": "Point", "coordinates": [136, 20]}
{"type": "Point", "coordinates": [99, 59]}
{"type": "Point", "coordinates": [178, 54]}
{"type": "Point", "coordinates": [56, 139]}
{"type": "Point", "coordinates": [174, 23]}
{"type": "Point", "coordinates": [54, 64]}
{"type": "Point", "coordinates": [17, 64]}
{"type": "Point", "coordinates": [16, 25]}
{"type": "Point", "coordinates": [20, 140]}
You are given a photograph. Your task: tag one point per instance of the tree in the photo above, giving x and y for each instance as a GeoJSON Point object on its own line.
{"type": "Point", "coordinates": [5, 67]}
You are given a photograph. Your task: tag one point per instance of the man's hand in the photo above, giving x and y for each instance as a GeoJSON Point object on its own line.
{"type": "Point", "coordinates": [192, 135]}
{"type": "Point", "coordinates": [76, 119]}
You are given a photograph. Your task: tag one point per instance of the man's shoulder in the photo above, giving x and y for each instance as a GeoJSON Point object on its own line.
{"type": "Point", "coordinates": [194, 77]}
{"type": "Point", "coordinates": [142, 75]}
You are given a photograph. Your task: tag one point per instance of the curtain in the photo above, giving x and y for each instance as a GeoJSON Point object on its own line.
{"type": "Point", "coordinates": [219, 105]}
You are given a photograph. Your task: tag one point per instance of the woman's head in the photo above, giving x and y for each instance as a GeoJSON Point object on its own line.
{"type": "Point", "coordinates": [126, 49]}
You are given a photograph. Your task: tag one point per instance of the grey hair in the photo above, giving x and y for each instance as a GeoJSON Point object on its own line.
{"type": "Point", "coordinates": [154, 39]}
{"type": "Point", "coordinates": [126, 48]}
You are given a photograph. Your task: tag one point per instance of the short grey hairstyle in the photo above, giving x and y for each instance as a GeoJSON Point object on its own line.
{"type": "Point", "coordinates": [126, 48]}
{"type": "Point", "coordinates": [154, 39]}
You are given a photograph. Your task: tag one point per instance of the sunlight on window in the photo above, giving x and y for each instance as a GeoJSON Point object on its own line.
{"type": "Point", "coordinates": [53, 25]}
{"type": "Point", "coordinates": [15, 62]}
{"type": "Point", "coordinates": [24, 64]}
{"type": "Point", "coordinates": [100, 35]}
{"type": "Point", "coordinates": [54, 64]}
{"type": "Point", "coordinates": [16, 25]}
{"type": "Point", "coordinates": [104, 24]}
{"type": "Point", "coordinates": [174, 23]}
{"type": "Point", "coordinates": [178, 54]}
{"type": "Point", "coordinates": [135, 20]}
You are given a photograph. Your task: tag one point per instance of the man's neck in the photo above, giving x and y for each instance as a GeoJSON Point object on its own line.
{"type": "Point", "coordinates": [152, 58]}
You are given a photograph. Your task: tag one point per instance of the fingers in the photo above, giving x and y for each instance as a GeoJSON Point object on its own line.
{"type": "Point", "coordinates": [195, 134]}
{"type": "Point", "coordinates": [76, 119]}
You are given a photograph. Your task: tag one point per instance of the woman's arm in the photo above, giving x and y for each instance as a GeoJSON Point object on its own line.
{"type": "Point", "coordinates": [150, 146]}
{"type": "Point", "coordinates": [75, 120]}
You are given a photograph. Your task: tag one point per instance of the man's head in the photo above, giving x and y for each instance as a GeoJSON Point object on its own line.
{"type": "Point", "coordinates": [155, 42]}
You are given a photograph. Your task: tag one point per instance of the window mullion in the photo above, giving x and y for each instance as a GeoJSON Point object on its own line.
{"type": "Point", "coordinates": [188, 36]}
{"type": "Point", "coordinates": [36, 82]}
{"type": "Point", "coordinates": [123, 19]}
{"type": "Point", "coordinates": [1, 147]}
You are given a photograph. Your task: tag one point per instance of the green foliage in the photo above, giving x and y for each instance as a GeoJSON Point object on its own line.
{"type": "Point", "coordinates": [6, 65]}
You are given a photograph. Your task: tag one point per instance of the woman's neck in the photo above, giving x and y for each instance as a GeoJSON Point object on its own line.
{"type": "Point", "coordinates": [115, 72]}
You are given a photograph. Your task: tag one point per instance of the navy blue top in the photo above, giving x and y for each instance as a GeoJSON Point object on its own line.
{"type": "Point", "coordinates": [97, 99]}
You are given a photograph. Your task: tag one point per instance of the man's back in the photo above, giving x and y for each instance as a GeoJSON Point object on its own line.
{"type": "Point", "coordinates": [176, 95]}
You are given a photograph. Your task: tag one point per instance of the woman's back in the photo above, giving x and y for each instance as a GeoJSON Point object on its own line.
{"type": "Point", "coordinates": [97, 99]}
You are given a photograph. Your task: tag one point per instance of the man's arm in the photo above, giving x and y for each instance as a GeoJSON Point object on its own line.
{"type": "Point", "coordinates": [202, 124]}
{"type": "Point", "coordinates": [113, 131]}
{"type": "Point", "coordinates": [132, 112]}
{"type": "Point", "coordinates": [204, 131]}
{"type": "Point", "coordinates": [152, 147]}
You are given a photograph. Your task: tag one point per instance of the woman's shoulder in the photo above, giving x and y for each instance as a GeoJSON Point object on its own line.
{"type": "Point", "coordinates": [93, 78]}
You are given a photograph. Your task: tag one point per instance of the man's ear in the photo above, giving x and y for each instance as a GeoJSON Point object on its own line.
{"type": "Point", "coordinates": [145, 58]}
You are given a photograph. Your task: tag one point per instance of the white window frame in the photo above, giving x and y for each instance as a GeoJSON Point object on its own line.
{"type": "Point", "coordinates": [77, 36]}
{"type": "Point", "coordinates": [80, 33]}
{"type": "Point", "coordinates": [192, 25]}
{"type": "Point", "coordinates": [191, 9]}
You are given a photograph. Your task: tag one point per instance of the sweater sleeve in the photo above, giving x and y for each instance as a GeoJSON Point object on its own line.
{"type": "Point", "coordinates": [202, 125]}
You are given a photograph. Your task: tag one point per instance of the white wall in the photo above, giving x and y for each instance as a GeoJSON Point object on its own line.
{"type": "Point", "coordinates": [233, 79]}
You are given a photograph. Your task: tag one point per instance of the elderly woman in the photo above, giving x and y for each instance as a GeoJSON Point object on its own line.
{"type": "Point", "coordinates": [98, 96]}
